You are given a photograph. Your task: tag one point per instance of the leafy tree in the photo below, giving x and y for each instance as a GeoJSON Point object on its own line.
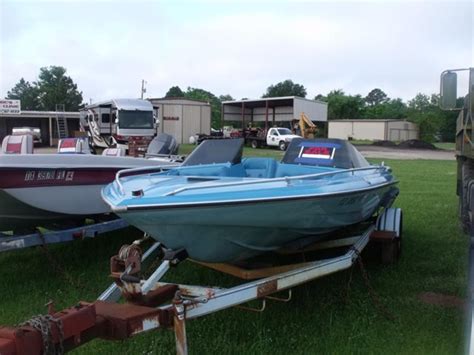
{"type": "Point", "coordinates": [285, 88]}
{"type": "Point", "coordinates": [376, 97]}
{"type": "Point", "coordinates": [27, 93]}
{"type": "Point", "coordinates": [428, 123]}
{"type": "Point", "coordinates": [203, 95]}
{"type": "Point", "coordinates": [174, 91]}
{"type": "Point", "coordinates": [424, 111]}
{"type": "Point", "coordinates": [55, 87]}
{"type": "Point", "coordinates": [391, 109]}
{"type": "Point", "coordinates": [421, 103]}
{"type": "Point", "coordinates": [226, 97]}
{"type": "Point", "coordinates": [342, 106]}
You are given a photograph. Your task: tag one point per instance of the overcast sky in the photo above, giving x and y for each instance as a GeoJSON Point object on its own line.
{"type": "Point", "coordinates": [240, 49]}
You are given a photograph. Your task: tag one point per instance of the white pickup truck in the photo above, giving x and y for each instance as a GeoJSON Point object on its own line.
{"type": "Point", "coordinates": [276, 137]}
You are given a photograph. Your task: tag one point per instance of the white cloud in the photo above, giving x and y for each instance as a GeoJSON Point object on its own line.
{"type": "Point", "coordinates": [237, 49]}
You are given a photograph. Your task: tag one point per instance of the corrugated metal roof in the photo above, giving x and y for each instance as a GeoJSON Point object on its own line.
{"type": "Point", "coordinates": [373, 120]}
{"type": "Point", "coordinates": [41, 114]}
{"type": "Point", "coordinates": [272, 101]}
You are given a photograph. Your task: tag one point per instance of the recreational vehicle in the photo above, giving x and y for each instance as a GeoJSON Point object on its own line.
{"type": "Point", "coordinates": [117, 122]}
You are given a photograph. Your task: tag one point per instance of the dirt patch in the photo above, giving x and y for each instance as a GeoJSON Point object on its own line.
{"type": "Point", "coordinates": [416, 144]}
{"type": "Point", "coordinates": [384, 144]}
{"type": "Point", "coordinates": [439, 299]}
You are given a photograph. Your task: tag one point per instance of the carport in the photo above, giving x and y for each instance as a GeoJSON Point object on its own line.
{"type": "Point", "coordinates": [44, 120]}
{"type": "Point", "coordinates": [273, 109]}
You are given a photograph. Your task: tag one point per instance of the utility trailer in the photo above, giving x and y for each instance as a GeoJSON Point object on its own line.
{"type": "Point", "coordinates": [152, 304]}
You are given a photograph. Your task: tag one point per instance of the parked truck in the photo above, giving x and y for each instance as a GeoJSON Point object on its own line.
{"type": "Point", "coordinates": [119, 123]}
{"type": "Point", "coordinates": [465, 173]}
{"type": "Point", "coordinates": [464, 140]}
{"type": "Point", "coordinates": [275, 137]}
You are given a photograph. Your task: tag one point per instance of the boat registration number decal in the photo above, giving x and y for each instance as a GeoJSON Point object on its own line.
{"type": "Point", "coordinates": [48, 175]}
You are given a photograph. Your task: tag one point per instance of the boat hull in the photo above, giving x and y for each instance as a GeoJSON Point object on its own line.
{"type": "Point", "coordinates": [41, 190]}
{"type": "Point", "coordinates": [226, 232]}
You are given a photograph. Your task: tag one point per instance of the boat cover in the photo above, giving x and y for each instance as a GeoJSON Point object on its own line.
{"type": "Point", "coordinates": [329, 152]}
{"type": "Point", "coordinates": [216, 151]}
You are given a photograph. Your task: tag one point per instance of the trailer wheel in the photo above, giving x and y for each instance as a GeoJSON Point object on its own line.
{"type": "Point", "coordinates": [465, 191]}
{"type": "Point", "coordinates": [282, 145]}
{"type": "Point", "coordinates": [254, 144]}
{"type": "Point", "coordinates": [391, 220]}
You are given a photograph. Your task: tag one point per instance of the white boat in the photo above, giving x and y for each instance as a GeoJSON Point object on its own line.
{"type": "Point", "coordinates": [45, 189]}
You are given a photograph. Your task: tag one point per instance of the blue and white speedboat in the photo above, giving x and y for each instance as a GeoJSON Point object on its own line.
{"type": "Point", "coordinates": [232, 210]}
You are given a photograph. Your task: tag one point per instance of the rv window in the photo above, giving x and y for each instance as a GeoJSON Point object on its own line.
{"type": "Point", "coordinates": [106, 118]}
{"type": "Point", "coordinates": [136, 119]}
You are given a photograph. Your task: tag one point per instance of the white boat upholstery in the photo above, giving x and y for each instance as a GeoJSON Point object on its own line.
{"type": "Point", "coordinates": [114, 152]}
{"type": "Point", "coordinates": [18, 144]}
{"type": "Point", "coordinates": [74, 146]}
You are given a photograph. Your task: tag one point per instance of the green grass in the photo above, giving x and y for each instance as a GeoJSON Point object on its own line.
{"type": "Point", "coordinates": [319, 319]}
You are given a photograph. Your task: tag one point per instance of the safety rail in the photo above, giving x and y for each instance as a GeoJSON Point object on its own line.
{"type": "Point", "coordinates": [262, 181]}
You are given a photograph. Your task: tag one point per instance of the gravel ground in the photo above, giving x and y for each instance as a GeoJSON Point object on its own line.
{"type": "Point", "coordinates": [369, 151]}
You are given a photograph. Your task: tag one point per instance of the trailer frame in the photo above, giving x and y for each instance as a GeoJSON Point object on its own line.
{"type": "Point", "coordinates": [14, 242]}
{"type": "Point", "coordinates": [152, 304]}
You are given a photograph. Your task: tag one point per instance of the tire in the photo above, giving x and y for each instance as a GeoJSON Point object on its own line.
{"type": "Point", "coordinates": [466, 203]}
{"type": "Point", "coordinates": [391, 220]}
{"type": "Point", "coordinates": [254, 144]}
{"type": "Point", "coordinates": [282, 145]}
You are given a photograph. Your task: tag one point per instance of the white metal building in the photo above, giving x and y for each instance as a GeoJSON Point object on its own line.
{"type": "Point", "coordinates": [273, 110]}
{"type": "Point", "coordinates": [183, 118]}
{"type": "Point", "coordinates": [390, 130]}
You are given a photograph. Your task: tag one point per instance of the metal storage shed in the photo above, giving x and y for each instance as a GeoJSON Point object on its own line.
{"type": "Point", "coordinates": [391, 130]}
{"type": "Point", "coordinates": [273, 109]}
{"type": "Point", "coordinates": [183, 118]}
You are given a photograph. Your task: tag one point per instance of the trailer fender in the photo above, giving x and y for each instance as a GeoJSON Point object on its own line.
{"type": "Point", "coordinates": [391, 220]}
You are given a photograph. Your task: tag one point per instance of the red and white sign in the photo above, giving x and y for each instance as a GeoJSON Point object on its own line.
{"type": "Point", "coordinates": [318, 152]}
{"type": "Point", "coordinates": [10, 107]}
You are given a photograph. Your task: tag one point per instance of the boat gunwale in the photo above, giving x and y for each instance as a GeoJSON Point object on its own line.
{"type": "Point", "coordinates": [122, 209]}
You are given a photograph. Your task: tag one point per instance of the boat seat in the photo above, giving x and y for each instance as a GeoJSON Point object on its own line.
{"type": "Point", "coordinates": [259, 167]}
{"type": "Point", "coordinates": [114, 152]}
{"type": "Point", "coordinates": [18, 144]}
{"type": "Point", "coordinates": [74, 146]}
{"type": "Point", "coordinates": [295, 170]}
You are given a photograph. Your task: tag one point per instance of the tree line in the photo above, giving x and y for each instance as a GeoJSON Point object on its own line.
{"type": "Point", "coordinates": [55, 87]}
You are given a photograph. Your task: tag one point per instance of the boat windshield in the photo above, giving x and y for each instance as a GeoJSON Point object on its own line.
{"type": "Point", "coordinates": [135, 119]}
{"type": "Point", "coordinates": [284, 131]}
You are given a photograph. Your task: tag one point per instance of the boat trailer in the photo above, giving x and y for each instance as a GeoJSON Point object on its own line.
{"type": "Point", "coordinates": [13, 242]}
{"type": "Point", "coordinates": [152, 304]}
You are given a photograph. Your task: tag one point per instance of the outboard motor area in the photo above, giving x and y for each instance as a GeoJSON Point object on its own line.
{"type": "Point", "coordinates": [337, 153]}
{"type": "Point", "coordinates": [74, 146]}
{"type": "Point", "coordinates": [18, 144]}
{"type": "Point", "coordinates": [163, 144]}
